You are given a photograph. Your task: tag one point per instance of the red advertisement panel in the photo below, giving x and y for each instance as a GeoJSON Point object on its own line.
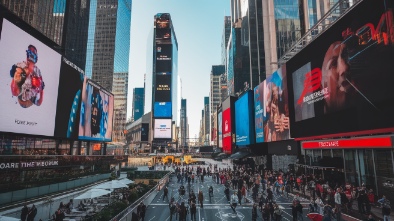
{"type": "Point", "coordinates": [226, 128]}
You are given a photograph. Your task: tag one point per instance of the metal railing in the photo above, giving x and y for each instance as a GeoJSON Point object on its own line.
{"type": "Point", "coordinates": [341, 8]}
{"type": "Point", "coordinates": [127, 213]}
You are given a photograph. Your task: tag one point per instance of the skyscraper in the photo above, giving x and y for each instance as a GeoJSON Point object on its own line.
{"type": "Point", "coordinates": [207, 120]}
{"type": "Point", "coordinates": [138, 103]}
{"type": "Point", "coordinates": [165, 80]}
{"type": "Point", "coordinates": [225, 37]}
{"type": "Point", "coordinates": [216, 91]}
{"type": "Point", "coordinates": [184, 123]}
{"type": "Point", "coordinates": [107, 59]}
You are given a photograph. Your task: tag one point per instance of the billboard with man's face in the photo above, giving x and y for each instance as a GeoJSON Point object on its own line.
{"type": "Point", "coordinates": [97, 109]}
{"type": "Point", "coordinates": [29, 80]}
{"type": "Point", "coordinates": [343, 80]}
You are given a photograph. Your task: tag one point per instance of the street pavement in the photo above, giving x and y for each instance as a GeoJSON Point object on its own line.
{"type": "Point", "coordinates": [215, 209]}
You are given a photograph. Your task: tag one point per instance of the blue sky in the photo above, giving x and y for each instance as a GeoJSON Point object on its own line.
{"type": "Point", "coordinates": [198, 26]}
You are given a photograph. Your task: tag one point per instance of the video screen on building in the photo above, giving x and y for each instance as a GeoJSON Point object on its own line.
{"type": "Point", "coordinates": [144, 132]}
{"type": "Point", "coordinates": [276, 120]}
{"type": "Point", "coordinates": [244, 120]}
{"type": "Point", "coordinates": [29, 80]}
{"type": "Point", "coordinates": [227, 132]}
{"type": "Point", "coordinates": [163, 88]}
{"type": "Point", "coordinates": [97, 109]}
{"type": "Point", "coordinates": [163, 58]}
{"type": "Point", "coordinates": [346, 75]}
{"type": "Point", "coordinates": [220, 135]}
{"type": "Point", "coordinates": [259, 111]}
{"type": "Point", "coordinates": [162, 129]}
{"type": "Point", "coordinates": [162, 20]}
{"type": "Point", "coordinates": [69, 100]}
{"type": "Point", "coordinates": [162, 109]}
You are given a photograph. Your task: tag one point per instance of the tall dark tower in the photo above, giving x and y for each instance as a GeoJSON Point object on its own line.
{"type": "Point", "coordinates": [165, 117]}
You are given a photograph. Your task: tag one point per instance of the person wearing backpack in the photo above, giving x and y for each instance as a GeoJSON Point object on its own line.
{"type": "Point", "coordinates": [386, 208]}
{"type": "Point", "coordinates": [277, 213]}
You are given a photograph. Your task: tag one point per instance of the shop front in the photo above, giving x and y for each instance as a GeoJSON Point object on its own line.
{"type": "Point", "coordinates": [356, 161]}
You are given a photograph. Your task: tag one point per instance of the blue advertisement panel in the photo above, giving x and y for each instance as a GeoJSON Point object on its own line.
{"type": "Point", "coordinates": [162, 109]}
{"type": "Point", "coordinates": [244, 120]}
{"type": "Point", "coordinates": [258, 111]}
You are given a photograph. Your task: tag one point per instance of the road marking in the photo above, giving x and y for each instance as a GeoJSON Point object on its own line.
{"type": "Point", "coordinates": [152, 218]}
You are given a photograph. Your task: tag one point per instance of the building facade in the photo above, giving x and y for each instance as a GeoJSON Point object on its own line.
{"type": "Point", "coordinates": [225, 37]}
{"type": "Point", "coordinates": [165, 84]}
{"type": "Point", "coordinates": [138, 103]}
{"type": "Point", "coordinates": [184, 125]}
{"type": "Point", "coordinates": [215, 95]}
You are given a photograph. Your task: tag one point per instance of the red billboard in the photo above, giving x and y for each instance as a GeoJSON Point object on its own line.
{"type": "Point", "coordinates": [359, 143]}
{"type": "Point", "coordinates": [227, 134]}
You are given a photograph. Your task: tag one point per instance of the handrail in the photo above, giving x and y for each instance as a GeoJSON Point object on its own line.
{"type": "Point", "coordinates": [134, 205]}
{"type": "Point", "coordinates": [320, 27]}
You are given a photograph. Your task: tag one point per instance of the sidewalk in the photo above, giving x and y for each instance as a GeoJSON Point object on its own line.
{"type": "Point", "coordinates": [353, 214]}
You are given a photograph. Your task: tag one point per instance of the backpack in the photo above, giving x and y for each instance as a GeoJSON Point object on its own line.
{"type": "Point", "coordinates": [386, 204]}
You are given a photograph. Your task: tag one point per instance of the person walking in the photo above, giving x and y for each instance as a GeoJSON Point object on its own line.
{"type": "Point", "coordinates": [24, 212]}
{"type": "Point", "coordinates": [201, 198]}
{"type": "Point", "coordinates": [32, 213]}
{"type": "Point", "coordinates": [182, 212]}
{"type": "Point", "coordinates": [227, 193]}
{"type": "Point", "coordinates": [338, 204]}
{"type": "Point", "coordinates": [165, 194]}
{"type": "Point", "coordinates": [294, 212]}
{"type": "Point", "coordinates": [386, 208]}
{"type": "Point", "coordinates": [193, 211]}
{"type": "Point", "coordinates": [234, 201]}
{"type": "Point", "coordinates": [277, 213]}
{"type": "Point", "coordinates": [254, 212]}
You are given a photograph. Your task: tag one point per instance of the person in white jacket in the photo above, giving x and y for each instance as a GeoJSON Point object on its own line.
{"type": "Point", "coordinates": [320, 205]}
{"type": "Point", "coordinates": [234, 201]}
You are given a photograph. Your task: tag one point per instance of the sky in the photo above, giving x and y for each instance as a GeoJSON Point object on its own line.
{"type": "Point", "coordinates": [198, 26]}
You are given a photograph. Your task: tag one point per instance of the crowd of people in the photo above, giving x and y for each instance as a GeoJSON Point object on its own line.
{"type": "Point", "coordinates": [327, 198]}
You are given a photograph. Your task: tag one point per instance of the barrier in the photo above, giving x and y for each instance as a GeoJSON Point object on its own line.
{"type": "Point", "coordinates": [147, 198]}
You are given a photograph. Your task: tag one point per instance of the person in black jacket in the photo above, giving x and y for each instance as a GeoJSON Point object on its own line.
{"type": "Point", "coordinates": [32, 213]}
{"type": "Point", "coordinates": [24, 213]}
{"type": "Point", "coordinates": [254, 212]}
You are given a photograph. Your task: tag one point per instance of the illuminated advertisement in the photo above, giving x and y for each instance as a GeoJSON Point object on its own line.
{"type": "Point", "coordinates": [163, 88]}
{"type": "Point", "coordinates": [97, 109]}
{"type": "Point", "coordinates": [244, 133]}
{"type": "Point", "coordinates": [162, 20]}
{"type": "Point", "coordinates": [259, 111]}
{"type": "Point", "coordinates": [162, 109]}
{"type": "Point", "coordinates": [29, 80]}
{"type": "Point", "coordinates": [226, 128]}
{"type": "Point", "coordinates": [68, 100]}
{"type": "Point", "coordinates": [220, 135]}
{"type": "Point", "coordinates": [163, 58]}
{"type": "Point", "coordinates": [276, 120]}
{"type": "Point", "coordinates": [162, 128]}
{"type": "Point", "coordinates": [346, 74]}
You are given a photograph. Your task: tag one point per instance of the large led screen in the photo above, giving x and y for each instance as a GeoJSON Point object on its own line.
{"type": "Point", "coordinates": [276, 120]}
{"type": "Point", "coordinates": [220, 135]}
{"type": "Point", "coordinates": [69, 100]}
{"type": "Point", "coordinates": [97, 108]}
{"type": "Point", "coordinates": [162, 128]}
{"type": "Point", "coordinates": [343, 80]}
{"type": "Point", "coordinates": [259, 111]}
{"type": "Point", "coordinates": [162, 109]}
{"type": "Point", "coordinates": [163, 88]}
{"type": "Point", "coordinates": [244, 130]}
{"type": "Point", "coordinates": [227, 132]}
{"type": "Point", "coordinates": [163, 58]}
{"type": "Point", "coordinates": [29, 80]}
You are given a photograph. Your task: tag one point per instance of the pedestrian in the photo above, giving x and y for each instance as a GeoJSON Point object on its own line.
{"type": "Point", "coordinates": [182, 212]}
{"type": "Point", "coordinates": [193, 211]}
{"type": "Point", "coordinates": [25, 211]}
{"type": "Point", "coordinates": [294, 212]}
{"type": "Point", "coordinates": [32, 213]}
{"type": "Point", "coordinates": [165, 192]}
{"type": "Point", "coordinates": [142, 211]}
{"type": "Point", "coordinates": [234, 201]}
{"type": "Point", "coordinates": [386, 208]}
{"type": "Point", "coordinates": [299, 211]}
{"type": "Point", "coordinates": [200, 198]}
{"type": "Point", "coordinates": [227, 193]}
{"type": "Point", "coordinates": [277, 213]}
{"type": "Point", "coordinates": [254, 212]}
{"type": "Point", "coordinates": [134, 216]}
{"type": "Point", "coordinates": [338, 204]}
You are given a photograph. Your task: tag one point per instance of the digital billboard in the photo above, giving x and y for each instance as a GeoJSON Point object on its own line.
{"type": "Point", "coordinates": [163, 58]}
{"type": "Point", "coordinates": [163, 88]}
{"type": "Point", "coordinates": [162, 20]}
{"type": "Point", "coordinates": [97, 108]}
{"type": "Point", "coordinates": [244, 120]}
{"type": "Point", "coordinates": [162, 109]}
{"type": "Point", "coordinates": [276, 120]}
{"type": "Point", "coordinates": [162, 128]}
{"type": "Point", "coordinates": [29, 80]}
{"type": "Point", "coordinates": [343, 80]}
{"type": "Point", "coordinates": [144, 132]}
{"type": "Point", "coordinates": [227, 132]}
{"type": "Point", "coordinates": [220, 129]}
{"type": "Point", "coordinates": [68, 100]}
{"type": "Point", "coordinates": [259, 111]}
